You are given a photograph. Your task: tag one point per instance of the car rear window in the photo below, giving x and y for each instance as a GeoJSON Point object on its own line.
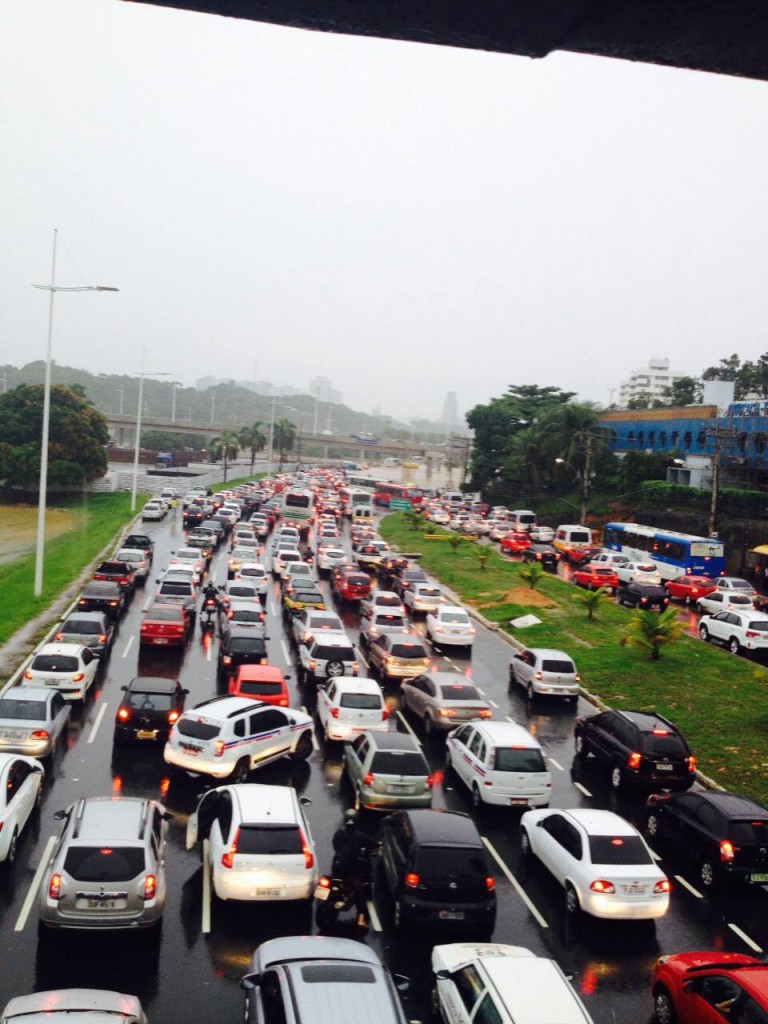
{"type": "Point", "coordinates": [244, 591]}
{"type": "Point", "coordinates": [346, 974]}
{"type": "Point", "coordinates": [408, 651]}
{"type": "Point", "coordinates": [459, 691]}
{"type": "Point", "coordinates": [269, 839]}
{"type": "Point", "coordinates": [254, 686]}
{"type": "Point", "coordinates": [27, 710]}
{"type": "Point", "coordinates": [659, 744]}
{"type": "Point", "coordinates": [518, 759]}
{"type": "Point", "coordinates": [580, 537]}
{"type": "Point", "coordinates": [247, 644]}
{"type": "Point", "coordinates": [84, 627]}
{"type": "Point", "coordinates": [138, 701]}
{"type": "Point", "coordinates": [759, 626]}
{"type": "Point", "coordinates": [165, 613]}
{"type": "Point", "coordinates": [435, 861]}
{"type": "Point", "coordinates": [558, 665]}
{"type": "Point", "coordinates": [246, 615]}
{"type": "Point", "coordinates": [196, 729]}
{"type": "Point", "coordinates": [361, 701]}
{"type": "Point", "coordinates": [392, 601]}
{"type": "Point", "coordinates": [618, 850]}
{"type": "Point", "coordinates": [460, 617]}
{"type": "Point", "coordinates": [252, 570]}
{"type": "Point", "coordinates": [179, 589]}
{"type": "Point", "coordinates": [741, 585]}
{"type": "Point", "coordinates": [358, 581]}
{"type": "Point", "coordinates": [104, 863]}
{"type": "Point", "coordinates": [753, 831]}
{"type": "Point", "coordinates": [55, 663]}
{"type": "Point", "coordinates": [739, 599]}
{"type": "Point", "coordinates": [399, 762]}
{"type": "Point", "coordinates": [334, 653]}
{"type": "Point", "coordinates": [428, 591]}
{"type": "Point", "coordinates": [390, 620]}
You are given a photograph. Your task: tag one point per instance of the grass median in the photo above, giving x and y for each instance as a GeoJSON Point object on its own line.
{"type": "Point", "coordinates": [718, 700]}
{"type": "Point", "coordinates": [92, 522]}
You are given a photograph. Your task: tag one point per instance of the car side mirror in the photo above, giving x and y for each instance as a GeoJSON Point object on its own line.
{"type": "Point", "coordinates": [442, 975]}
{"type": "Point", "coordinates": [123, 687]}
{"type": "Point", "coordinates": [250, 982]}
{"type": "Point", "coordinates": [402, 983]}
{"type": "Point", "coordinates": [305, 801]}
{"type": "Point", "coordinates": [689, 986]}
{"type": "Point", "coordinates": [185, 691]}
{"type": "Point", "coordinates": [167, 816]}
{"type": "Point", "coordinates": [60, 815]}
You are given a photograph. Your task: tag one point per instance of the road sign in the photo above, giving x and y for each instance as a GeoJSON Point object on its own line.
{"type": "Point", "coordinates": [400, 505]}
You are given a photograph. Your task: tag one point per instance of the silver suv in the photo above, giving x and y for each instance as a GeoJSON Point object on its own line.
{"type": "Point", "coordinates": [107, 868]}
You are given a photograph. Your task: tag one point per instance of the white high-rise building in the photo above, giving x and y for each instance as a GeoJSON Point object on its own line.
{"type": "Point", "coordinates": [651, 380]}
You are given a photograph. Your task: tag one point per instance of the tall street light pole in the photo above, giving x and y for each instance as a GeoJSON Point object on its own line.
{"type": "Point", "coordinates": [137, 443]}
{"type": "Point", "coordinates": [51, 288]}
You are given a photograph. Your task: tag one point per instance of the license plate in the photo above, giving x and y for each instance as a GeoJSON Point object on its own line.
{"type": "Point", "coordinates": [267, 892]}
{"type": "Point", "coordinates": [161, 640]}
{"type": "Point", "coordinates": [665, 767]}
{"type": "Point", "coordinates": [758, 876]}
{"type": "Point", "coordinates": [451, 915]}
{"type": "Point", "coordinates": [146, 734]}
{"type": "Point", "coordinates": [517, 802]}
{"type": "Point", "coordinates": [51, 682]}
{"type": "Point", "coordinates": [634, 889]}
{"type": "Point", "coordinates": [321, 893]}
{"type": "Point", "coordinates": [192, 750]}
{"type": "Point", "coordinates": [11, 735]}
{"type": "Point", "coordinates": [100, 904]}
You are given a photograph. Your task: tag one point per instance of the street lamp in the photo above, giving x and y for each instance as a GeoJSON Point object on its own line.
{"type": "Point", "coordinates": [175, 385]}
{"type": "Point", "coordinates": [137, 442]}
{"type": "Point", "coordinates": [51, 288]}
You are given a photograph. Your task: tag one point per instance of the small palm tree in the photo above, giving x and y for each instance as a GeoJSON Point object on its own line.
{"type": "Point", "coordinates": [650, 631]}
{"type": "Point", "coordinates": [532, 574]}
{"type": "Point", "coordinates": [283, 438]}
{"type": "Point", "coordinates": [414, 519]}
{"type": "Point", "coordinates": [225, 447]}
{"type": "Point", "coordinates": [591, 599]}
{"type": "Point", "coordinates": [254, 439]}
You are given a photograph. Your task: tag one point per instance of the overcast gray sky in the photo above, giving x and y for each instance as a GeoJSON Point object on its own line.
{"type": "Point", "coordinates": [404, 219]}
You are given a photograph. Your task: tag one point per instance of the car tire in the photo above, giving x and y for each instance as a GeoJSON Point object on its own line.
{"type": "Point", "coordinates": [428, 729]}
{"type": "Point", "coordinates": [617, 777]}
{"type": "Point", "coordinates": [303, 747]}
{"type": "Point", "coordinates": [707, 875]}
{"type": "Point", "coordinates": [572, 905]}
{"type": "Point", "coordinates": [663, 1007]}
{"type": "Point", "coordinates": [477, 800]}
{"type": "Point", "coordinates": [687, 600]}
{"type": "Point", "coordinates": [10, 856]}
{"type": "Point", "coordinates": [525, 843]}
{"type": "Point", "coordinates": [241, 771]}
{"type": "Point", "coordinates": [530, 693]}
{"type": "Point", "coordinates": [734, 646]}
{"type": "Point", "coordinates": [704, 633]}
{"type": "Point", "coordinates": [652, 825]}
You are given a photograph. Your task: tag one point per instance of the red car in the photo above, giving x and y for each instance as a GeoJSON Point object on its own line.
{"type": "Point", "coordinates": [165, 625]}
{"type": "Point", "coordinates": [689, 589]}
{"type": "Point", "coordinates": [261, 682]}
{"type": "Point", "coordinates": [516, 542]}
{"type": "Point", "coordinates": [352, 586]}
{"type": "Point", "coordinates": [694, 987]}
{"type": "Point", "coordinates": [594, 576]}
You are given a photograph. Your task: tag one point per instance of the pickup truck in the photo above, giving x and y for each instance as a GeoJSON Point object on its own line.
{"type": "Point", "coordinates": [114, 571]}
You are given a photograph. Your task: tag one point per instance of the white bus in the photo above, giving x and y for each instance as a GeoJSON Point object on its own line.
{"type": "Point", "coordinates": [298, 508]}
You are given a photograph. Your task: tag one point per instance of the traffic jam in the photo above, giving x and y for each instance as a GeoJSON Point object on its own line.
{"type": "Point", "coordinates": [262, 751]}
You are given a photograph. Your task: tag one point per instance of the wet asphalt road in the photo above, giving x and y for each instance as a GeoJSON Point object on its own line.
{"type": "Point", "coordinates": [196, 975]}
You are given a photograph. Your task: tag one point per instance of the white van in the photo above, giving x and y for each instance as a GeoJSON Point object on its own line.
{"type": "Point", "coordinates": [521, 519]}
{"type": "Point", "coordinates": [571, 538]}
{"type": "Point", "coordinates": [500, 763]}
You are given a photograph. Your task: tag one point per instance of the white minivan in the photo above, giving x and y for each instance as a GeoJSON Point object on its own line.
{"type": "Point", "coordinates": [500, 763]}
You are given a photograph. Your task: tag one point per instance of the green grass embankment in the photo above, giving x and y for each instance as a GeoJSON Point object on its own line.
{"type": "Point", "coordinates": [719, 701]}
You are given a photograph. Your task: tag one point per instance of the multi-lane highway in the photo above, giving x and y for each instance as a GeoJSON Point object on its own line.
{"type": "Point", "coordinates": [204, 950]}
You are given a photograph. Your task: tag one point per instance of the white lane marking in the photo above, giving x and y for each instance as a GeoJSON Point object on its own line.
{"type": "Point", "coordinates": [373, 917]}
{"type": "Point", "coordinates": [582, 789]}
{"type": "Point", "coordinates": [742, 935]}
{"type": "Point", "coordinates": [34, 885]}
{"type": "Point", "coordinates": [273, 607]}
{"type": "Point", "coordinates": [555, 763]}
{"type": "Point", "coordinates": [689, 887]}
{"type": "Point", "coordinates": [128, 646]}
{"type": "Point", "coordinates": [286, 652]}
{"type": "Point", "coordinates": [97, 723]}
{"type": "Point", "coordinates": [483, 693]}
{"type": "Point", "coordinates": [206, 921]}
{"type": "Point", "coordinates": [511, 878]}
{"type": "Point", "coordinates": [450, 661]}
{"type": "Point", "coordinates": [654, 854]}
{"type": "Point", "coordinates": [407, 726]}
{"type": "Point", "coordinates": [493, 703]}
{"type": "Point", "coordinates": [208, 652]}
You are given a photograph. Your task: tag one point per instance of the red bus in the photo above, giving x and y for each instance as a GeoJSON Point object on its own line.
{"type": "Point", "coordinates": [385, 492]}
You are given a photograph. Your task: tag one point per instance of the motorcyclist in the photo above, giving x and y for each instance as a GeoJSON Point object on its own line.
{"type": "Point", "coordinates": [351, 850]}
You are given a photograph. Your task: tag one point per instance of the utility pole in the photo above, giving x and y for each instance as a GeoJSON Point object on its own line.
{"type": "Point", "coordinates": [720, 434]}
{"type": "Point", "coordinates": [585, 479]}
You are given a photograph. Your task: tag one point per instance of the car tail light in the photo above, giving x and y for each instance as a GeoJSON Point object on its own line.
{"type": "Point", "coordinates": [484, 713]}
{"type": "Point", "coordinates": [751, 632]}
{"type": "Point", "coordinates": [40, 734]}
{"type": "Point", "coordinates": [173, 716]}
{"type": "Point", "coordinates": [324, 882]}
{"type": "Point", "coordinates": [411, 880]}
{"type": "Point", "coordinates": [54, 888]}
{"type": "Point", "coordinates": [601, 885]}
{"type": "Point", "coordinates": [283, 702]}
{"type": "Point", "coordinates": [29, 675]}
{"type": "Point", "coordinates": [446, 712]}
{"type": "Point", "coordinates": [726, 851]}
{"type": "Point", "coordinates": [368, 780]}
{"type": "Point", "coordinates": [384, 714]}
{"type": "Point", "coordinates": [334, 712]}
{"type": "Point", "coordinates": [691, 763]}
{"type": "Point", "coordinates": [123, 714]}
{"type": "Point", "coordinates": [355, 668]}
{"type": "Point", "coordinates": [228, 858]}
{"type": "Point", "coordinates": [150, 887]}
{"type": "Point", "coordinates": [430, 781]}
{"type": "Point", "coordinates": [103, 638]}
{"type": "Point", "coordinates": [634, 760]}
{"type": "Point", "coordinates": [312, 665]}
{"type": "Point", "coordinates": [663, 886]}
{"type": "Point", "coordinates": [59, 637]}
{"type": "Point", "coordinates": [490, 884]}
{"type": "Point", "coordinates": [78, 677]}
{"type": "Point", "coordinates": [218, 748]}
{"type": "Point", "coordinates": [309, 857]}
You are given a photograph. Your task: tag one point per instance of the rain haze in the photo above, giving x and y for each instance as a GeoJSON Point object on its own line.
{"type": "Point", "coordinates": [404, 219]}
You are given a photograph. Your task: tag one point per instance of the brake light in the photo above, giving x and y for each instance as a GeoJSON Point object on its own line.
{"type": "Point", "coordinates": [173, 716]}
{"type": "Point", "coordinates": [661, 732]}
{"type": "Point", "coordinates": [283, 702]}
{"type": "Point", "coordinates": [634, 760]}
{"type": "Point", "coordinates": [40, 734]}
{"type": "Point", "coordinates": [59, 637]}
{"type": "Point", "coordinates": [411, 880]}
{"type": "Point", "coordinates": [54, 888]}
{"type": "Point", "coordinates": [355, 668]}
{"type": "Point", "coordinates": [490, 884]}
{"type": "Point", "coordinates": [430, 781]}
{"type": "Point", "coordinates": [324, 882]}
{"type": "Point", "coordinates": [368, 780]}
{"type": "Point", "coordinates": [312, 665]}
{"type": "Point", "coordinates": [691, 763]}
{"type": "Point", "coordinates": [726, 851]}
{"type": "Point", "coordinates": [218, 748]}
{"type": "Point", "coordinates": [385, 714]}
{"type": "Point", "coordinates": [78, 677]}
{"type": "Point", "coordinates": [751, 632]}
{"type": "Point", "coordinates": [334, 712]}
{"type": "Point", "coordinates": [103, 638]}
{"type": "Point", "coordinates": [228, 858]}
{"type": "Point", "coordinates": [29, 675]}
{"type": "Point", "coordinates": [309, 857]}
{"type": "Point", "coordinates": [663, 886]}
{"type": "Point", "coordinates": [150, 887]}
{"type": "Point", "coordinates": [123, 714]}
{"type": "Point", "coordinates": [601, 885]}
{"type": "Point", "coordinates": [227, 659]}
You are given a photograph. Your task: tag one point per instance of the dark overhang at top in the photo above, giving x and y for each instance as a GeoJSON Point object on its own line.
{"type": "Point", "coordinates": [724, 36]}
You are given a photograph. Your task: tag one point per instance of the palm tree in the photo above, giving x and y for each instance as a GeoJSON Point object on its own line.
{"type": "Point", "coordinates": [651, 631]}
{"type": "Point", "coordinates": [532, 574]}
{"type": "Point", "coordinates": [283, 438]}
{"type": "Point", "coordinates": [591, 599]}
{"type": "Point", "coordinates": [254, 439]}
{"type": "Point", "coordinates": [225, 447]}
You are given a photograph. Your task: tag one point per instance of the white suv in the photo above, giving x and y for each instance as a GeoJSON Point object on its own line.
{"type": "Point", "coordinates": [347, 707]}
{"type": "Point", "coordinates": [545, 672]}
{"type": "Point", "coordinates": [737, 630]}
{"type": "Point", "coordinates": [638, 572]}
{"type": "Point", "coordinates": [326, 656]}
{"type": "Point", "coordinates": [261, 847]}
{"type": "Point", "coordinates": [226, 737]}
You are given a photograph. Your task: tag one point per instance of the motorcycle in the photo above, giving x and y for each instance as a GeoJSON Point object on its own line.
{"type": "Point", "coordinates": [338, 901]}
{"type": "Point", "coordinates": [209, 615]}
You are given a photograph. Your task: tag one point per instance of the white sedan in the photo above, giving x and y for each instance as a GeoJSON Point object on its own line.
{"type": "Point", "coordinates": [602, 862]}
{"type": "Point", "coordinates": [154, 510]}
{"type": "Point", "coordinates": [450, 626]}
{"type": "Point", "coordinates": [69, 668]}
{"type": "Point", "coordinates": [21, 787]}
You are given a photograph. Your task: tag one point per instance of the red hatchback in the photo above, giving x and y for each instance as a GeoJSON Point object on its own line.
{"type": "Point", "coordinates": [353, 586]}
{"type": "Point", "coordinates": [516, 542]}
{"type": "Point", "coordinates": [165, 625]}
{"type": "Point", "coordinates": [594, 576]}
{"type": "Point", "coordinates": [261, 682]}
{"type": "Point", "coordinates": [694, 987]}
{"type": "Point", "coordinates": [689, 589]}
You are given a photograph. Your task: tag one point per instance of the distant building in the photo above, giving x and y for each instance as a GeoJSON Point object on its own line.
{"type": "Point", "coordinates": [323, 390]}
{"type": "Point", "coordinates": [450, 417]}
{"type": "Point", "coordinates": [651, 380]}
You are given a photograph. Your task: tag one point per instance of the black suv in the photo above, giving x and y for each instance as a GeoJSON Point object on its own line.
{"type": "Point", "coordinates": [149, 707]}
{"type": "Point", "coordinates": [725, 833]}
{"type": "Point", "coordinates": [637, 748]}
{"type": "Point", "coordinates": [435, 867]}
{"type": "Point", "coordinates": [241, 645]}
{"type": "Point", "coordinates": [642, 595]}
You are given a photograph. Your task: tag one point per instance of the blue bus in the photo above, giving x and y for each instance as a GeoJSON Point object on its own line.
{"type": "Point", "coordinates": [674, 553]}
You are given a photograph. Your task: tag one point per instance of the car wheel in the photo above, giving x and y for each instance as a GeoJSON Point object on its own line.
{"type": "Point", "coordinates": [241, 771]}
{"type": "Point", "coordinates": [571, 900]}
{"type": "Point", "coordinates": [699, 608]}
{"type": "Point", "coordinates": [434, 1004]}
{"type": "Point", "coordinates": [663, 1007]}
{"type": "Point", "coordinates": [427, 726]}
{"type": "Point", "coordinates": [525, 843]}
{"type": "Point", "coordinates": [704, 633]}
{"type": "Point", "coordinates": [303, 747]}
{"type": "Point", "coordinates": [652, 825]}
{"type": "Point", "coordinates": [448, 761]}
{"type": "Point", "coordinates": [734, 646]}
{"type": "Point", "coordinates": [477, 800]}
{"type": "Point", "coordinates": [10, 856]}
{"type": "Point", "coordinates": [687, 600]}
{"type": "Point", "coordinates": [707, 874]}
{"type": "Point", "coordinates": [530, 692]}
{"type": "Point", "coordinates": [579, 745]}
{"type": "Point", "coordinates": [335, 668]}
{"type": "Point", "coordinates": [617, 777]}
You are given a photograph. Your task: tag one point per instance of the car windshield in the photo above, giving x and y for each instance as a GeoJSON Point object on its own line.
{"type": "Point", "coordinates": [399, 762]}
{"type": "Point", "coordinates": [55, 663]}
{"type": "Point", "coordinates": [361, 701]}
{"type": "Point", "coordinates": [104, 863]}
{"type": "Point", "coordinates": [269, 839]}
{"type": "Point", "coordinates": [618, 850]}
{"type": "Point", "coordinates": [458, 691]}
{"type": "Point", "coordinates": [518, 759]}
{"type": "Point", "coordinates": [29, 710]}
{"type": "Point", "coordinates": [408, 651]}
{"type": "Point", "coordinates": [83, 627]}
